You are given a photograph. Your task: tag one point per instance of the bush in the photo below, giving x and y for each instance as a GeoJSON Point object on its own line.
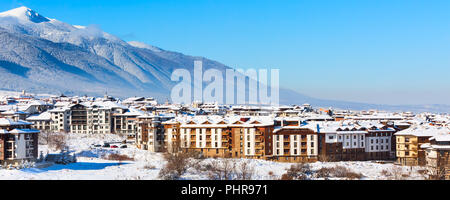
{"type": "Point", "coordinates": [245, 171]}
{"type": "Point", "coordinates": [176, 166]}
{"type": "Point", "coordinates": [57, 141]}
{"type": "Point", "coordinates": [221, 169]}
{"type": "Point", "coordinates": [323, 172]}
{"type": "Point", "coordinates": [297, 172]}
{"type": "Point", "coordinates": [118, 157]}
{"type": "Point", "coordinates": [343, 172]}
{"type": "Point", "coordinates": [339, 172]}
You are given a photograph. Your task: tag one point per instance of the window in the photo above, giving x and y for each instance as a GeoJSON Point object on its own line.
{"type": "Point", "coordinates": [330, 137]}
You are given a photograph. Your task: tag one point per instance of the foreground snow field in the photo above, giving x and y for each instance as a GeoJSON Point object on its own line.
{"type": "Point", "coordinates": [146, 166]}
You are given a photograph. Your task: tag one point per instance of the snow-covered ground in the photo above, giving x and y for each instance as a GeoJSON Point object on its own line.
{"type": "Point", "coordinates": [146, 165]}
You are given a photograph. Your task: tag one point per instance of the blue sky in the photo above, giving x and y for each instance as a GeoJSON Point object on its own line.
{"type": "Point", "coordinates": [374, 51]}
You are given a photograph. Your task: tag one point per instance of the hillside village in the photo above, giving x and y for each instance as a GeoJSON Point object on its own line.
{"type": "Point", "coordinates": [263, 134]}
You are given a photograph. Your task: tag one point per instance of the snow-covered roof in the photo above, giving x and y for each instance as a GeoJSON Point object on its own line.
{"type": "Point", "coordinates": [45, 116]}
{"type": "Point", "coordinates": [59, 109]}
{"type": "Point", "coordinates": [424, 131]}
{"type": "Point", "coordinates": [10, 122]}
{"type": "Point", "coordinates": [24, 131]}
{"type": "Point", "coordinates": [441, 138]}
{"type": "Point", "coordinates": [220, 121]}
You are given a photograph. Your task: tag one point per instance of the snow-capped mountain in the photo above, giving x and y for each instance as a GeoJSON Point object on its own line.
{"type": "Point", "coordinates": [44, 48]}
{"type": "Point", "coordinates": [44, 55]}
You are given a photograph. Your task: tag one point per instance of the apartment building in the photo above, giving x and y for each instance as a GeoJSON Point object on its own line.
{"type": "Point", "coordinates": [150, 132]}
{"type": "Point", "coordinates": [380, 141]}
{"type": "Point", "coordinates": [124, 122]}
{"type": "Point", "coordinates": [438, 156]}
{"type": "Point", "coordinates": [291, 142]}
{"type": "Point", "coordinates": [18, 141]}
{"type": "Point", "coordinates": [78, 119]}
{"type": "Point", "coordinates": [409, 142]}
{"type": "Point", "coordinates": [94, 117]}
{"type": "Point", "coordinates": [41, 121]}
{"type": "Point", "coordinates": [216, 136]}
{"type": "Point", "coordinates": [98, 119]}
{"type": "Point", "coordinates": [353, 140]}
{"type": "Point", "coordinates": [60, 119]}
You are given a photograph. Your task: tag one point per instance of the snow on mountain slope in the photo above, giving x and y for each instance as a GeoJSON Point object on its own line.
{"type": "Point", "coordinates": [25, 14]}
{"type": "Point", "coordinates": [144, 46]}
{"type": "Point", "coordinates": [148, 66]}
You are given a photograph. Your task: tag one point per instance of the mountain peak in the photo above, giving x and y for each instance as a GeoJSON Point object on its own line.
{"type": "Point", "coordinates": [24, 13]}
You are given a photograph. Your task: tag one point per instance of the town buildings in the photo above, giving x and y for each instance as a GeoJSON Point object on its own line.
{"type": "Point", "coordinates": [281, 134]}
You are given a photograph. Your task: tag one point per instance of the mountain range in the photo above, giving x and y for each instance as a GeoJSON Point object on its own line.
{"type": "Point", "coordinates": [44, 55]}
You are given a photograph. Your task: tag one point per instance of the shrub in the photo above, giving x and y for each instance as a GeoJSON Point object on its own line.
{"type": "Point", "coordinates": [57, 141]}
{"type": "Point", "coordinates": [297, 172]}
{"type": "Point", "coordinates": [323, 172]}
{"type": "Point", "coordinates": [118, 157]}
{"type": "Point", "coordinates": [342, 172]}
{"type": "Point", "coordinates": [176, 165]}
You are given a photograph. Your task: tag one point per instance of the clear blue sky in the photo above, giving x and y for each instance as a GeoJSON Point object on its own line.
{"type": "Point", "coordinates": [375, 51]}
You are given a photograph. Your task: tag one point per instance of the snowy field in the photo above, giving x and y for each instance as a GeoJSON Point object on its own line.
{"type": "Point", "coordinates": [146, 166]}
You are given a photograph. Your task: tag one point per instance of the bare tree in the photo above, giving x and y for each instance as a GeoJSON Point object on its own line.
{"type": "Point", "coordinates": [436, 173]}
{"type": "Point", "coordinates": [57, 141]}
{"type": "Point", "coordinates": [245, 171]}
{"type": "Point", "coordinates": [221, 169]}
{"type": "Point", "coordinates": [44, 137]}
{"type": "Point", "coordinates": [297, 172]}
{"type": "Point", "coordinates": [177, 164]}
